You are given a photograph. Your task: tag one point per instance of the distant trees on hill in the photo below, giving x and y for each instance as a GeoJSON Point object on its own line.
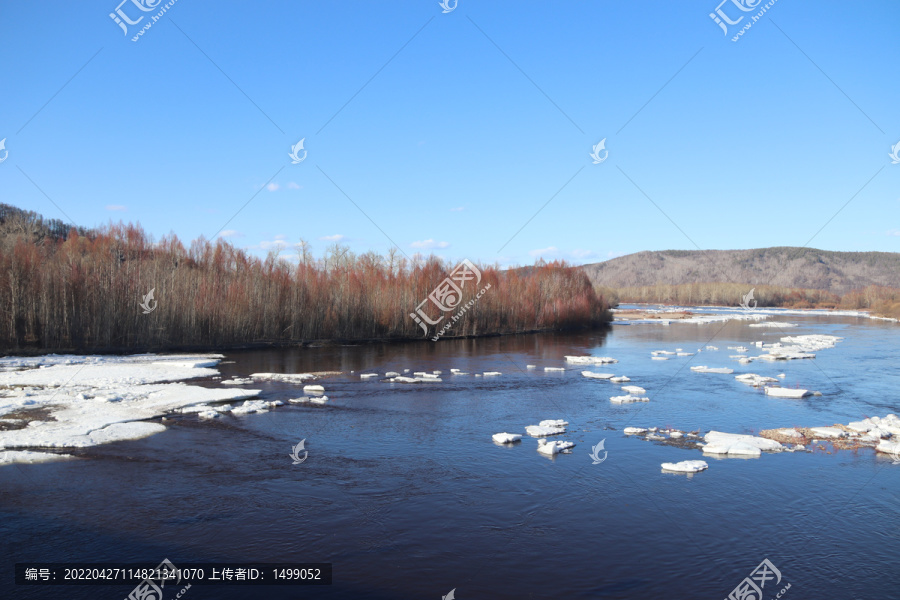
{"type": "Point", "coordinates": [64, 288]}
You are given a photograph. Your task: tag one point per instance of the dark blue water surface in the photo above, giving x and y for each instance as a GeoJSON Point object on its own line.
{"type": "Point", "coordinates": [406, 495]}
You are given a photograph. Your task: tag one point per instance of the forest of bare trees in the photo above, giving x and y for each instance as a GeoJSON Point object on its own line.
{"type": "Point", "coordinates": [880, 300]}
{"type": "Point", "coordinates": [63, 288]}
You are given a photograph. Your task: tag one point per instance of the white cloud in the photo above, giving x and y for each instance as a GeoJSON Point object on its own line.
{"type": "Point", "coordinates": [584, 254]}
{"type": "Point", "coordinates": [267, 245]}
{"type": "Point", "coordinates": [114, 207]}
{"type": "Point", "coordinates": [230, 233]}
{"type": "Point", "coordinates": [293, 186]}
{"type": "Point", "coordinates": [272, 187]}
{"type": "Point", "coordinates": [549, 251]}
{"type": "Point", "coordinates": [458, 209]}
{"type": "Point", "coordinates": [430, 244]}
{"type": "Point", "coordinates": [332, 238]}
{"type": "Point", "coordinates": [614, 254]}
{"type": "Point", "coordinates": [895, 232]}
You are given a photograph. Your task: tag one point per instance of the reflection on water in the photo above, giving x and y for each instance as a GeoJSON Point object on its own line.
{"type": "Point", "coordinates": [406, 494]}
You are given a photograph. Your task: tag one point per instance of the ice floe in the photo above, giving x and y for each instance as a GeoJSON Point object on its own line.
{"type": "Point", "coordinates": [506, 438]}
{"type": "Point", "coordinates": [592, 375]}
{"type": "Point", "coordinates": [237, 381]}
{"type": "Point", "coordinates": [634, 389]}
{"type": "Point", "coordinates": [889, 447]}
{"type": "Point", "coordinates": [711, 348]}
{"type": "Point", "coordinates": [780, 392]}
{"type": "Point", "coordinates": [554, 368]}
{"type": "Point", "coordinates": [367, 375]}
{"type": "Point", "coordinates": [314, 389]}
{"type": "Point", "coordinates": [531, 366]}
{"type": "Point", "coordinates": [659, 358]}
{"type": "Point", "coordinates": [393, 374]}
{"type": "Point", "coordinates": [627, 399]}
{"type": "Point", "coordinates": [828, 432]}
{"type": "Point", "coordinates": [9, 457]}
{"type": "Point", "coordinates": [96, 400]}
{"type": "Point", "coordinates": [773, 324]}
{"type": "Point", "coordinates": [634, 430]}
{"type": "Point", "coordinates": [754, 379]}
{"type": "Point", "coordinates": [590, 360]}
{"type": "Point", "coordinates": [685, 466]}
{"type": "Point", "coordinates": [544, 430]}
{"type": "Point", "coordinates": [492, 373]}
{"type": "Point", "coordinates": [619, 379]}
{"type": "Point", "coordinates": [286, 377]}
{"type": "Point", "coordinates": [705, 369]}
{"type": "Point", "coordinates": [554, 447]}
{"type": "Point", "coordinates": [736, 444]}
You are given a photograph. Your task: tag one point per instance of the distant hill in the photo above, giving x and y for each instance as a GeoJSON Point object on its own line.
{"type": "Point", "coordinates": [808, 268]}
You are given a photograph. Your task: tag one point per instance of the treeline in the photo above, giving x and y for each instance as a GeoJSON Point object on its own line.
{"type": "Point", "coordinates": [881, 301]}
{"type": "Point", "coordinates": [84, 292]}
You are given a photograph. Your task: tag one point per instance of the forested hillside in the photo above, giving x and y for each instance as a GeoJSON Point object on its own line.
{"type": "Point", "coordinates": [795, 268]}
{"type": "Point", "coordinates": [66, 288]}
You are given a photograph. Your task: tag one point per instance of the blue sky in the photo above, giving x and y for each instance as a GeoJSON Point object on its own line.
{"type": "Point", "coordinates": [467, 133]}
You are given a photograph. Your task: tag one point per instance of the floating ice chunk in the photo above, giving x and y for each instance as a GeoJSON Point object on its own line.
{"type": "Point", "coordinates": [320, 400]}
{"type": "Point", "coordinates": [406, 370]}
{"type": "Point", "coordinates": [655, 437]}
{"type": "Point", "coordinates": [287, 377]}
{"type": "Point", "coordinates": [590, 360]}
{"type": "Point", "coordinates": [209, 414]}
{"type": "Point", "coordinates": [555, 447]}
{"type": "Point", "coordinates": [659, 358]}
{"type": "Point", "coordinates": [778, 324]}
{"type": "Point", "coordinates": [459, 373]}
{"type": "Point", "coordinates": [302, 400]}
{"type": "Point", "coordinates": [27, 456]}
{"type": "Point", "coordinates": [634, 389]}
{"type": "Point", "coordinates": [782, 375]}
{"type": "Point", "coordinates": [634, 430]}
{"type": "Point", "coordinates": [828, 432]}
{"type": "Point", "coordinates": [554, 369]}
{"type": "Point", "coordinates": [237, 381]}
{"type": "Point", "coordinates": [780, 392]}
{"type": "Point", "coordinates": [432, 379]}
{"type": "Point", "coordinates": [250, 406]}
{"type": "Point", "coordinates": [313, 389]}
{"type": "Point", "coordinates": [685, 354]}
{"type": "Point", "coordinates": [492, 373]}
{"type": "Point", "coordinates": [738, 348]}
{"type": "Point", "coordinates": [705, 369]}
{"type": "Point", "coordinates": [506, 438]}
{"type": "Point", "coordinates": [553, 423]}
{"type": "Point", "coordinates": [754, 379]}
{"type": "Point", "coordinates": [592, 375]}
{"type": "Point", "coordinates": [367, 375]}
{"type": "Point", "coordinates": [676, 435]}
{"type": "Point", "coordinates": [619, 379]}
{"type": "Point", "coordinates": [543, 431]}
{"type": "Point", "coordinates": [531, 366]}
{"type": "Point", "coordinates": [196, 408]}
{"type": "Point", "coordinates": [711, 348]}
{"type": "Point", "coordinates": [627, 399]}
{"type": "Point", "coordinates": [392, 374]}
{"type": "Point", "coordinates": [717, 439]}
{"type": "Point", "coordinates": [686, 466]}
{"type": "Point", "coordinates": [735, 449]}
{"type": "Point", "coordinates": [889, 447]}
{"type": "Point", "coordinates": [454, 370]}
{"type": "Point", "coordinates": [662, 352]}
{"type": "Point", "coordinates": [402, 379]}
{"type": "Point", "coordinates": [436, 372]}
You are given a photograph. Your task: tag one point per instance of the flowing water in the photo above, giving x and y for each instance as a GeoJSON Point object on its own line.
{"type": "Point", "coordinates": [405, 493]}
